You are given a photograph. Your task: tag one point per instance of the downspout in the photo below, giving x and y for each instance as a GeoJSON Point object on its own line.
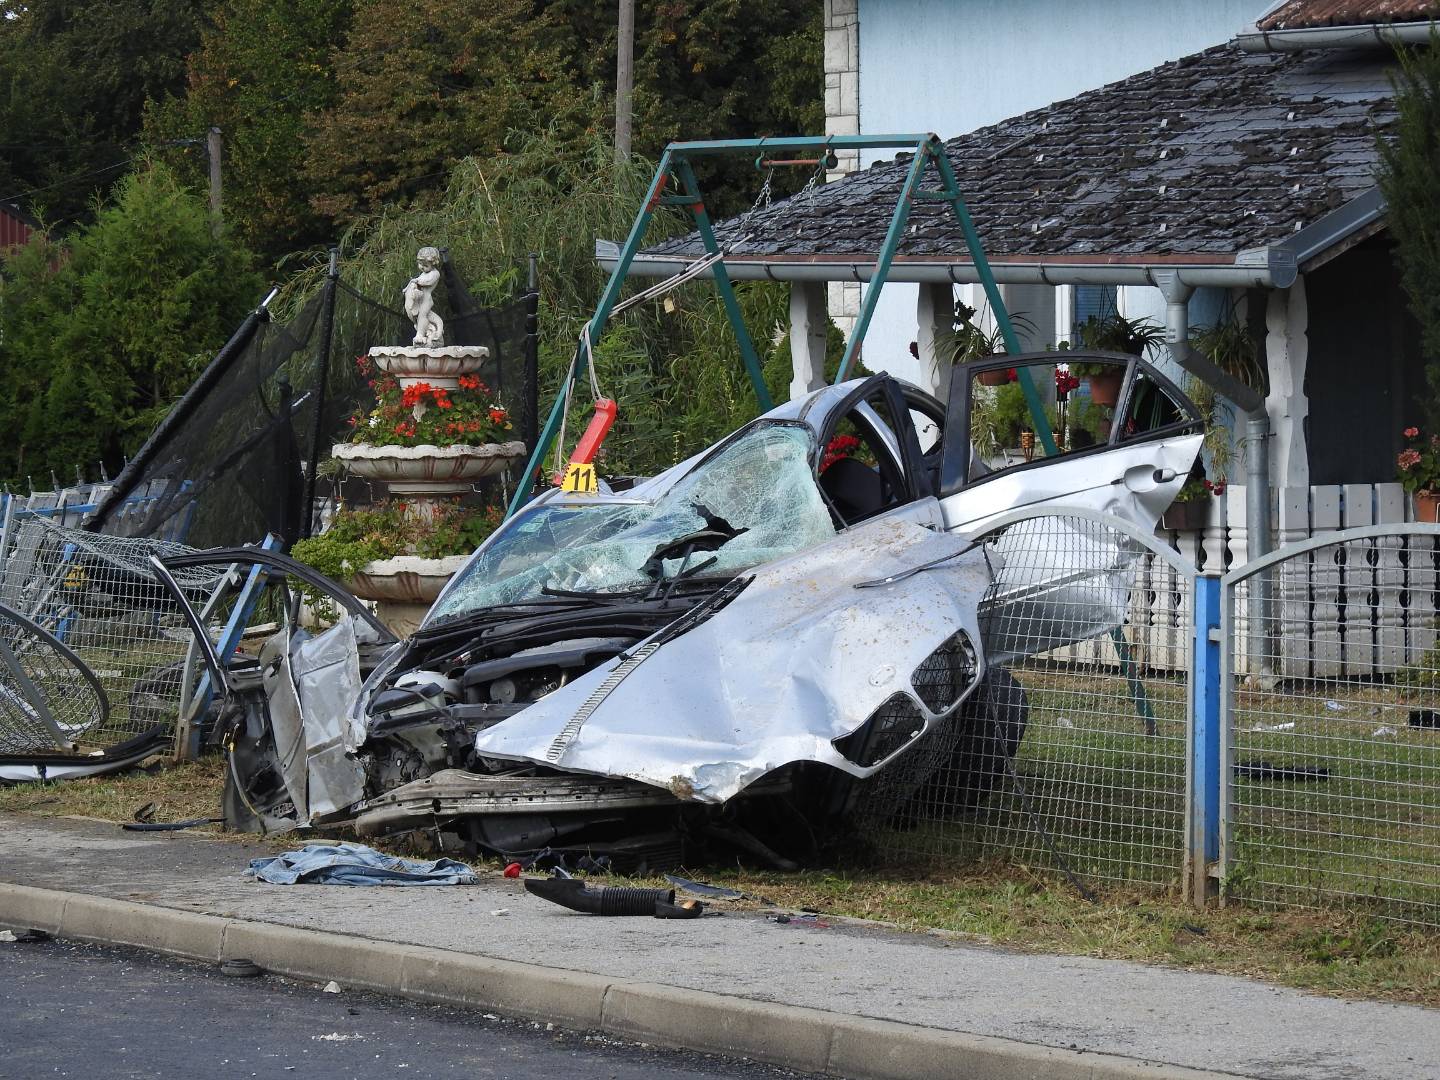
{"type": "Point", "coordinates": [1257, 454]}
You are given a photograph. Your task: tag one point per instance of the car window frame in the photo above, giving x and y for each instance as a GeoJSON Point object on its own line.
{"type": "Point", "coordinates": [955, 464]}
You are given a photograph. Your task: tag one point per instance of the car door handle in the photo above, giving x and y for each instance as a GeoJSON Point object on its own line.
{"type": "Point", "coordinates": [1164, 476]}
{"type": "Point", "coordinates": [1142, 478]}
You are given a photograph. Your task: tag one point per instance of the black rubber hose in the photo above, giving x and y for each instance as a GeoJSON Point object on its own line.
{"type": "Point", "coordinates": [573, 893]}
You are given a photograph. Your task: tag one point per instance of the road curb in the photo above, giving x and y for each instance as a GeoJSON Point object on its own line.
{"type": "Point", "coordinates": [810, 1040]}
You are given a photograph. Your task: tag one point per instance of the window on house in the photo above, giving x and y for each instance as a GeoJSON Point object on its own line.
{"type": "Point", "coordinates": [1091, 302]}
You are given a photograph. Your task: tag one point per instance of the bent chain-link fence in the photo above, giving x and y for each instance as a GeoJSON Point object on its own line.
{"type": "Point", "coordinates": [1333, 762]}
{"type": "Point", "coordinates": [95, 595]}
{"type": "Point", "coordinates": [1071, 754]}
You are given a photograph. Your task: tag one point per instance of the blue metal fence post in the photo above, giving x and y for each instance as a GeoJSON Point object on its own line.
{"type": "Point", "coordinates": [1205, 782]}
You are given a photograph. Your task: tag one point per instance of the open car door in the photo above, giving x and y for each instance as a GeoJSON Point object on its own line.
{"type": "Point", "coordinates": [1097, 431]}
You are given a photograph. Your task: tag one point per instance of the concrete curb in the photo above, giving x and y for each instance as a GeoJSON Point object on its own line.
{"type": "Point", "coordinates": [809, 1040]}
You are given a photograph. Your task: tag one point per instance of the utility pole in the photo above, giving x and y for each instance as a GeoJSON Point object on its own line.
{"type": "Point", "coordinates": [624, 79]}
{"type": "Point", "coordinates": [212, 148]}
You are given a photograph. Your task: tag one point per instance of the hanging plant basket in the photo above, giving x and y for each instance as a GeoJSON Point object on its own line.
{"type": "Point", "coordinates": [998, 377]}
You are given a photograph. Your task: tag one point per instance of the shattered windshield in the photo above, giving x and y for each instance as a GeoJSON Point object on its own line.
{"type": "Point", "coordinates": [752, 502]}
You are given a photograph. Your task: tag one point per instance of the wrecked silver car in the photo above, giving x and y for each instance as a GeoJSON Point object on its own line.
{"type": "Point", "coordinates": [725, 655]}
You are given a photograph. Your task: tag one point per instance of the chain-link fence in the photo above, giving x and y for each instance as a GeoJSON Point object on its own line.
{"type": "Point", "coordinates": [1071, 753]}
{"type": "Point", "coordinates": [95, 595]}
{"type": "Point", "coordinates": [1334, 752]}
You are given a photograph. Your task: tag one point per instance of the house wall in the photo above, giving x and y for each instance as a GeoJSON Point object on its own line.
{"type": "Point", "coordinates": [951, 66]}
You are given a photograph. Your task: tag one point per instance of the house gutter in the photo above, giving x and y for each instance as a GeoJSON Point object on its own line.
{"type": "Point", "coordinates": [1363, 36]}
{"type": "Point", "coordinates": [1271, 267]}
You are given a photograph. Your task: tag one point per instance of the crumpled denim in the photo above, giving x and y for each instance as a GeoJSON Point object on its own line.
{"type": "Point", "coordinates": [355, 864]}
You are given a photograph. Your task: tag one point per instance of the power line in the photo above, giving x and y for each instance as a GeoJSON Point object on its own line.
{"type": "Point", "coordinates": [67, 180]}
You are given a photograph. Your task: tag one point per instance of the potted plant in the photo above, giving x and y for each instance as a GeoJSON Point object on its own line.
{"type": "Point", "coordinates": [969, 341]}
{"type": "Point", "coordinates": [1418, 467]}
{"type": "Point", "coordinates": [1191, 508]}
{"type": "Point", "coordinates": [1113, 333]}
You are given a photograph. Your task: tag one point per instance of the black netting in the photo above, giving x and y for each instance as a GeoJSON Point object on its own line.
{"type": "Point", "coordinates": [231, 465]}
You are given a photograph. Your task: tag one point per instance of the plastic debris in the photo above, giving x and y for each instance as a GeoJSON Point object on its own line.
{"type": "Point", "coordinates": [332, 987]}
{"type": "Point", "coordinates": [501, 911]}
{"type": "Point", "coordinates": [513, 870]}
{"type": "Point", "coordinates": [1384, 731]}
{"type": "Point", "coordinates": [1334, 706]}
{"type": "Point", "coordinates": [1065, 722]}
{"type": "Point", "coordinates": [699, 888]}
{"type": "Point", "coordinates": [7, 935]}
{"type": "Point", "coordinates": [1266, 770]}
{"type": "Point", "coordinates": [1424, 718]}
{"type": "Point", "coordinates": [1287, 726]}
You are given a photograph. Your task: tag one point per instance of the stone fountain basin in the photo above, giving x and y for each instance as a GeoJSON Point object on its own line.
{"type": "Point", "coordinates": [427, 470]}
{"type": "Point", "coordinates": [438, 365]}
{"type": "Point", "coordinates": [405, 579]}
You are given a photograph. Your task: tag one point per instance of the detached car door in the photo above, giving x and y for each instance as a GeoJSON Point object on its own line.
{"type": "Point", "coordinates": [1097, 431]}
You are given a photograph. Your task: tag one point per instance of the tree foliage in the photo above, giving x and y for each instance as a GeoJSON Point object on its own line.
{"type": "Point", "coordinates": [74, 79]}
{"type": "Point", "coordinates": [261, 68]}
{"type": "Point", "coordinates": [674, 370]}
{"type": "Point", "coordinates": [99, 335]}
{"type": "Point", "coordinates": [1409, 177]}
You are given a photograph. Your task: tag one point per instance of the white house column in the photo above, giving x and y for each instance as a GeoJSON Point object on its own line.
{"type": "Point", "coordinates": [934, 312]}
{"type": "Point", "coordinates": [1286, 352]}
{"type": "Point", "coordinates": [1037, 304]}
{"type": "Point", "coordinates": [808, 323]}
{"type": "Point", "coordinates": [842, 117]}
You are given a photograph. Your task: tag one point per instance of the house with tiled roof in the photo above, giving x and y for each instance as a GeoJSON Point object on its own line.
{"type": "Point", "coordinates": [1235, 180]}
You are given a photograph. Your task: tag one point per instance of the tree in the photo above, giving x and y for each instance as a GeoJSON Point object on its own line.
{"type": "Point", "coordinates": [261, 67]}
{"type": "Point", "coordinates": [74, 79]}
{"type": "Point", "coordinates": [423, 85]}
{"type": "Point", "coordinates": [98, 337]}
{"type": "Point", "coordinates": [1409, 177]}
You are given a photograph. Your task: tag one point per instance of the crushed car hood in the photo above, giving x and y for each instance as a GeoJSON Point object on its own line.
{"type": "Point", "coordinates": [801, 656]}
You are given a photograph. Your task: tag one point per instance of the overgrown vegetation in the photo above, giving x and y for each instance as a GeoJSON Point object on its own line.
{"type": "Point", "coordinates": [101, 332]}
{"type": "Point", "coordinates": [1409, 168]}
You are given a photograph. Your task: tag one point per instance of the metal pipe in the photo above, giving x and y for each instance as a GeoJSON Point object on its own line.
{"type": "Point", "coordinates": [1257, 459]}
{"type": "Point", "coordinates": [1366, 35]}
{"type": "Point", "coordinates": [327, 335]}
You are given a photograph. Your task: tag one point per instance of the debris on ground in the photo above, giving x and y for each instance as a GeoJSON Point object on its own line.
{"type": "Point", "coordinates": [1268, 770]}
{"type": "Point", "coordinates": [576, 895]}
{"type": "Point", "coordinates": [344, 863]}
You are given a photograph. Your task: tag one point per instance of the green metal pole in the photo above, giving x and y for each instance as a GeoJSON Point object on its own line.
{"type": "Point", "coordinates": [992, 292]}
{"type": "Point", "coordinates": [597, 325]}
{"type": "Point", "coordinates": [722, 283]}
{"type": "Point", "coordinates": [883, 260]}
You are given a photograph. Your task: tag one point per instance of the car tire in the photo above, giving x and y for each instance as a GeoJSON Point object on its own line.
{"type": "Point", "coordinates": [992, 724]}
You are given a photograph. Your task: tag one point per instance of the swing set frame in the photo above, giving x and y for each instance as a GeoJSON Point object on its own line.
{"type": "Point", "coordinates": [675, 184]}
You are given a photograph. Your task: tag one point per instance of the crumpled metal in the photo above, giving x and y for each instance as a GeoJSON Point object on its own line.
{"type": "Point", "coordinates": [344, 863]}
{"type": "Point", "coordinates": [799, 658]}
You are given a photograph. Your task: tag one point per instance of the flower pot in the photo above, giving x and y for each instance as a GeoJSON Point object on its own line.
{"type": "Point", "coordinates": [1427, 506]}
{"type": "Point", "coordinates": [1105, 388]}
{"type": "Point", "coordinates": [998, 377]}
{"type": "Point", "coordinates": [1188, 516]}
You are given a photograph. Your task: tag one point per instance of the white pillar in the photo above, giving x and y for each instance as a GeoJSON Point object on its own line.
{"type": "Point", "coordinates": [808, 323]}
{"type": "Point", "coordinates": [934, 312]}
{"type": "Point", "coordinates": [1037, 304]}
{"type": "Point", "coordinates": [1286, 353]}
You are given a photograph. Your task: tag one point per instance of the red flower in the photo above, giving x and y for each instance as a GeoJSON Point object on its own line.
{"type": "Point", "coordinates": [469, 382]}
{"type": "Point", "coordinates": [1411, 432]}
{"type": "Point", "coordinates": [497, 415]}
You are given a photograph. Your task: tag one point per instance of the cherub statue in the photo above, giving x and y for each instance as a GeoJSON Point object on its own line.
{"type": "Point", "coordinates": [420, 300]}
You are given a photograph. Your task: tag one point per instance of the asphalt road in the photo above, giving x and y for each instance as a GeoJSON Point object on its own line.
{"type": "Point", "coordinates": [102, 1013]}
